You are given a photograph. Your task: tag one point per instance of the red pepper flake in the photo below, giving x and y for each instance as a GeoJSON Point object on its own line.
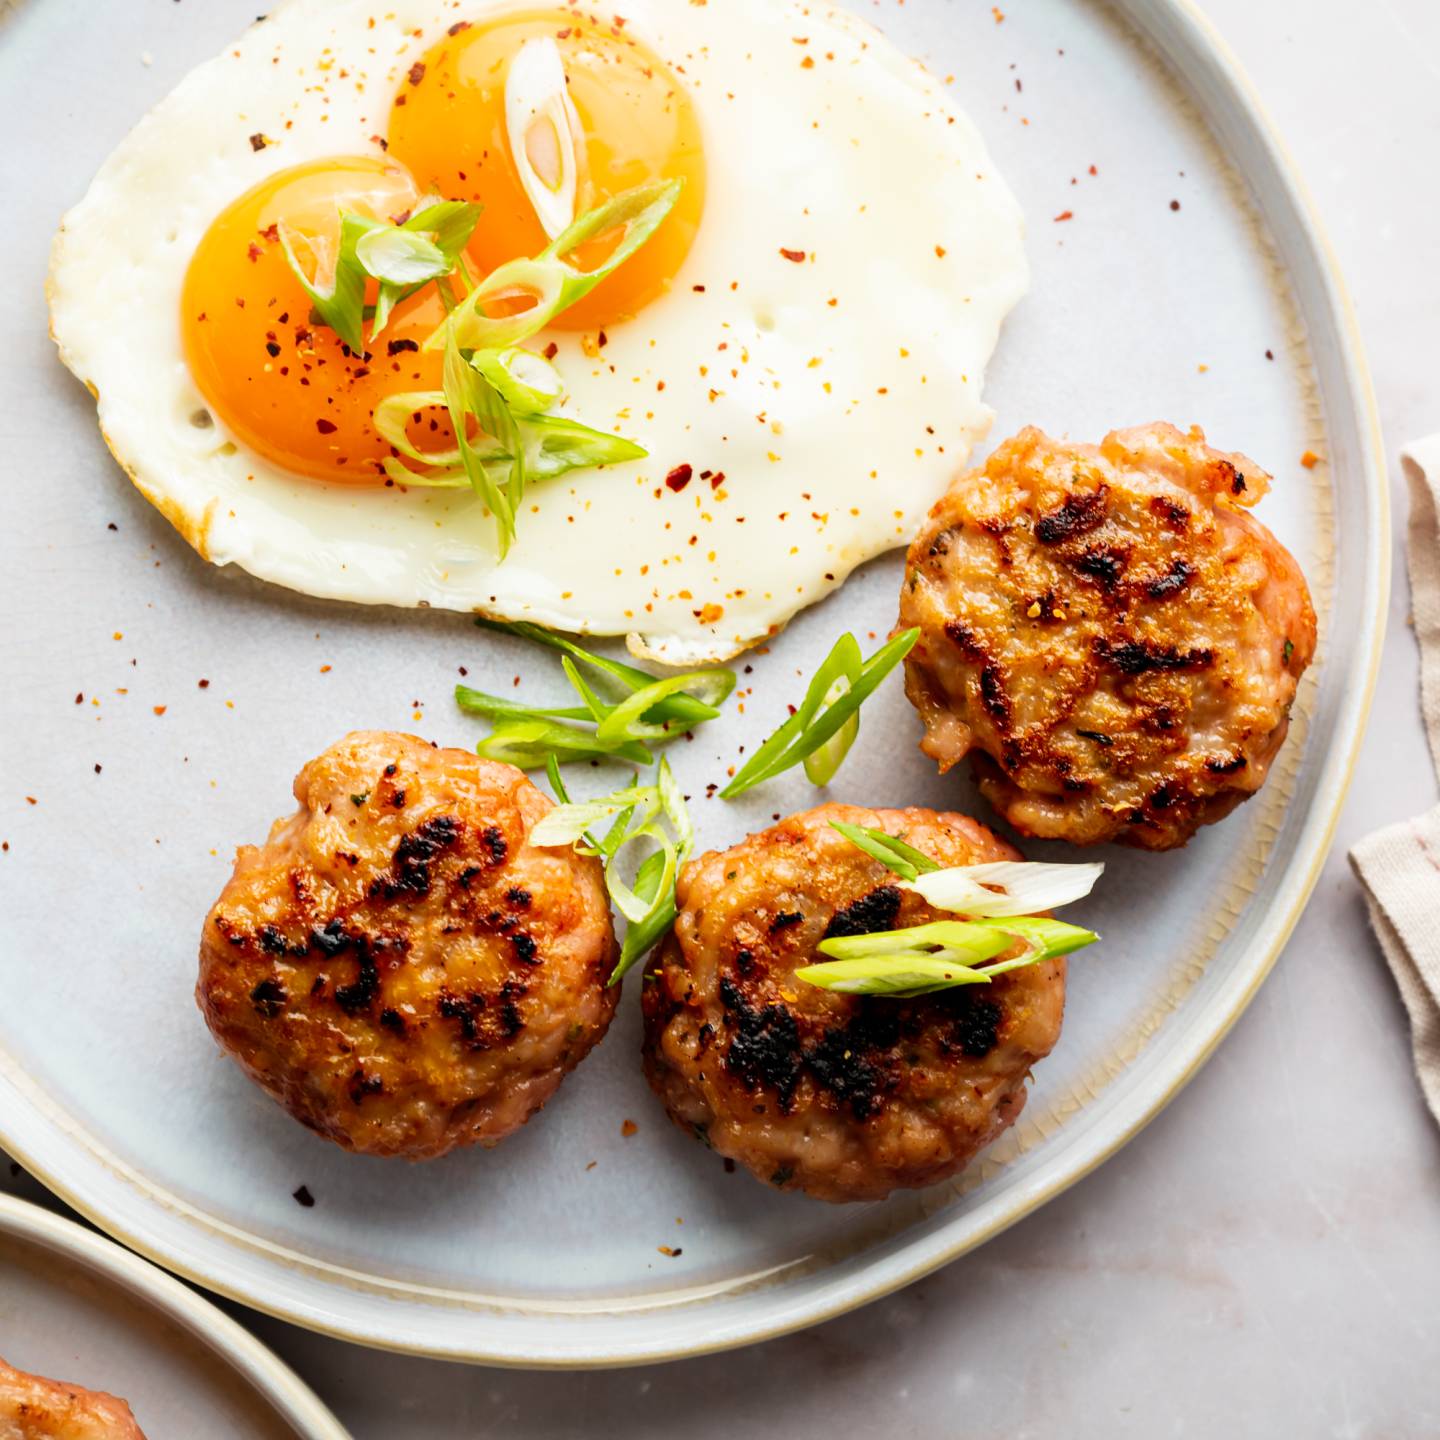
{"type": "Point", "coordinates": [602, 340]}
{"type": "Point", "coordinates": [674, 1254]}
{"type": "Point", "coordinates": [417, 72]}
{"type": "Point", "coordinates": [1174, 204]}
{"type": "Point", "coordinates": [79, 697]}
{"type": "Point", "coordinates": [303, 1197]}
{"type": "Point", "coordinates": [398, 347]}
{"type": "Point", "coordinates": [1309, 459]}
{"type": "Point", "coordinates": [808, 63]}
{"type": "Point", "coordinates": [1094, 171]}
{"type": "Point", "coordinates": [1064, 215]}
{"type": "Point", "coordinates": [271, 232]}
{"type": "Point", "coordinates": [381, 141]}
{"type": "Point", "coordinates": [254, 252]}
{"type": "Point", "coordinates": [258, 141]}
{"type": "Point", "coordinates": [629, 1128]}
{"type": "Point", "coordinates": [717, 479]}
{"type": "Point", "coordinates": [551, 350]}
{"type": "Point", "coordinates": [271, 349]}
{"type": "Point", "coordinates": [794, 256]}
{"type": "Point", "coordinates": [679, 478]}
{"type": "Point", "coordinates": [204, 684]}
{"type": "Point", "coordinates": [998, 13]}
{"type": "Point", "coordinates": [158, 709]}
{"type": "Point", "coordinates": [940, 252]}
{"type": "Point", "coordinates": [31, 800]}
{"type": "Point", "coordinates": [324, 669]}
{"type": "Point", "coordinates": [325, 427]}
{"type": "Point", "coordinates": [458, 26]}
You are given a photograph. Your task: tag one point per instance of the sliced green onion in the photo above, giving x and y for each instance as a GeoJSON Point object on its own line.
{"type": "Point", "coordinates": [903, 975]}
{"type": "Point", "coordinates": [556, 443]}
{"type": "Point", "coordinates": [392, 419]}
{"type": "Point", "coordinates": [527, 382]}
{"type": "Point", "coordinates": [642, 816]}
{"type": "Point", "coordinates": [553, 444]}
{"type": "Point", "coordinates": [536, 95]}
{"type": "Point", "coordinates": [1007, 887]}
{"type": "Point", "coordinates": [501, 707]}
{"type": "Point", "coordinates": [638, 709]}
{"type": "Point", "coordinates": [946, 953]}
{"type": "Point", "coordinates": [817, 722]}
{"type": "Point", "coordinates": [707, 687]}
{"type": "Point", "coordinates": [401, 257]}
{"type": "Point", "coordinates": [822, 763]}
{"type": "Point", "coordinates": [969, 942]}
{"type": "Point", "coordinates": [342, 306]}
{"type": "Point", "coordinates": [892, 852]}
{"type": "Point", "coordinates": [548, 281]}
{"type": "Point", "coordinates": [528, 743]}
{"type": "Point", "coordinates": [541, 282]}
{"type": "Point", "coordinates": [468, 396]}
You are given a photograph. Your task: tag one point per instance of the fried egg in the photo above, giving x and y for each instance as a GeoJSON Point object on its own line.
{"type": "Point", "coordinates": [800, 348]}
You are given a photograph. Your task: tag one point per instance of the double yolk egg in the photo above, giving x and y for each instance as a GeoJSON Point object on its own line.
{"type": "Point", "coordinates": [288, 388]}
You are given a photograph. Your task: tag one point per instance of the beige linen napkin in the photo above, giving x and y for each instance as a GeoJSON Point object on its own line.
{"type": "Point", "coordinates": [1400, 866]}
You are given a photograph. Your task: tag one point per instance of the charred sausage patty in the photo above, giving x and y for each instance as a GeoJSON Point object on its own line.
{"type": "Point", "coordinates": [1109, 632]}
{"type": "Point", "coordinates": [396, 964]}
{"type": "Point", "coordinates": [844, 1097]}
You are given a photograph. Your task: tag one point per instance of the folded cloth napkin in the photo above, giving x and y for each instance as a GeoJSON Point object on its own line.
{"type": "Point", "coordinates": [1400, 866]}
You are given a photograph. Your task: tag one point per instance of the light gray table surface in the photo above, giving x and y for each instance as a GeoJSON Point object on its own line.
{"type": "Point", "coordinates": [1265, 1258]}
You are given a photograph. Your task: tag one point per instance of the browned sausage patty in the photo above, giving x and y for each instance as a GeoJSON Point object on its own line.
{"type": "Point", "coordinates": [396, 965]}
{"type": "Point", "coordinates": [1115, 639]}
{"type": "Point", "coordinates": [844, 1097]}
{"type": "Point", "coordinates": [33, 1408]}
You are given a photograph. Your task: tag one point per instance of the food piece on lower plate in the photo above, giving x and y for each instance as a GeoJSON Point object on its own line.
{"type": "Point", "coordinates": [845, 1097]}
{"type": "Point", "coordinates": [33, 1408]}
{"type": "Point", "coordinates": [397, 964]}
{"type": "Point", "coordinates": [1109, 632]}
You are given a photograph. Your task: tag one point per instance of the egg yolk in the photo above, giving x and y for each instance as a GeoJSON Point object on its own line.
{"type": "Point", "coordinates": [289, 388]}
{"type": "Point", "coordinates": [448, 128]}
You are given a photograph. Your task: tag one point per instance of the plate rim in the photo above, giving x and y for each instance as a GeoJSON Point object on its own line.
{"type": "Point", "coordinates": [251, 1360]}
{"type": "Point", "coordinates": [1195, 38]}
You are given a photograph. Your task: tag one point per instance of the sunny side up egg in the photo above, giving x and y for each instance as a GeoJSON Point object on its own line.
{"type": "Point", "coordinates": [800, 347]}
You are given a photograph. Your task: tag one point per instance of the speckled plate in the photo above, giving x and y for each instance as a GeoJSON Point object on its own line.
{"type": "Point", "coordinates": [77, 1308]}
{"type": "Point", "coordinates": [1177, 275]}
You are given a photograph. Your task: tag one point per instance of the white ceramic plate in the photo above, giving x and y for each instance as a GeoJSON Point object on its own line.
{"type": "Point", "coordinates": [110, 1088]}
{"type": "Point", "coordinates": [75, 1307]}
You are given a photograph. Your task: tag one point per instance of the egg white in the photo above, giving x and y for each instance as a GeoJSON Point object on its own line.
{"type": "Point", "coordinates": [837, 395]}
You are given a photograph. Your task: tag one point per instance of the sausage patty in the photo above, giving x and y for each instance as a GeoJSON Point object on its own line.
{"type": "Point", "coordinates": [845, 1097]}
{"type": "Point", "coordinates": [33, 1408]}
{"type": "Point", "coordinates": [1112, 635]}
{"type": "Point", "coordinates": [396, 965]}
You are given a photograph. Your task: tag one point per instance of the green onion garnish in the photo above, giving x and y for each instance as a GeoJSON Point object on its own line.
{"type": "Point", "coordinates": [550, 282]}
{"type": "Point", "coordinates": [496, 393]}
{"type": "Point", "coordinates": [946, 953]}
{"type": "Point", "coordinates": [892, 852]}
{"type": "Point", "coordinates": [822, 730]}
{"type": "Point", "coordinates": [1000, 887]}
{"type": "Point", "coordinates": [620, 715]}
{"type": "Point", "coordinates": [648, 819]}
{"type": "Point", "coordinates": [401, 258]}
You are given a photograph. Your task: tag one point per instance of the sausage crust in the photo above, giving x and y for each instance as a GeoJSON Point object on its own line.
{"type": "Point", "coordinates": [396, 965]}
{"type": "Point", "coordinates": [845, 1097]}
{"type": "Point", "coordinates": [1114, 638]}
